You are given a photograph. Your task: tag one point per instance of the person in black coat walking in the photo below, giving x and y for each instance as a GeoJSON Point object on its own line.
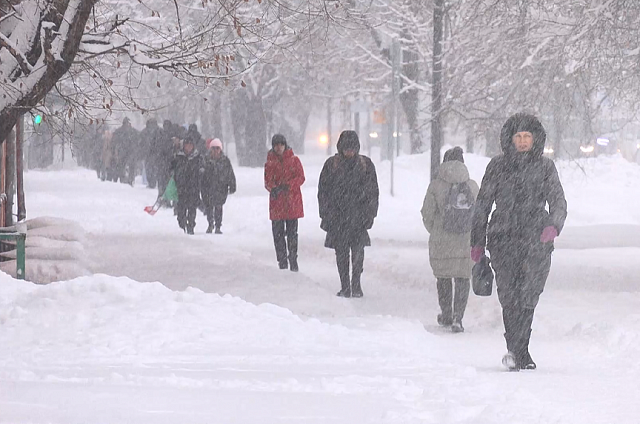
{"type": "Point", "coordinates": [188, 168]}
{"type": "Point", "coordinates": [218, 180]}
{"type": "Point", "coordinates": [348, 202]}
{"type": "Point", "coordinates": [521, 182]}
{"type": "Point", "coordinates": [150, 142]}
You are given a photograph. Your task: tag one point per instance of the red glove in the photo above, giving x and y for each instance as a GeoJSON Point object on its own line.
{"type": "Point", "coordinates": [548, 234]}
{"type": "Point", "coordinates": [477, 252]}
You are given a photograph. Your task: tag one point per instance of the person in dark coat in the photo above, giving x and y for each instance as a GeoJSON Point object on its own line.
{"type": "Point", "coordinates": [150, 141]}
{"type": "Point", "coordinates": [196, 138]}
{"type": "Point", "coordinates": [348, 202]}
{"type": "Point", "coordinates": [283, 176]}
{"type": "Point", "coordinates": [520, 182]}
{"type": "Point", "coordinates": [125, 142]}
{"type": "Point", "coordinates": [449, 250]}
{"type": "Point", "coordinates": [218, 180]}
{"type": "Point", "coordinates": [188, 168]}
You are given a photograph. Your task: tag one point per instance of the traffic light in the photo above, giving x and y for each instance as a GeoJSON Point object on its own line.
{"type": "Point", "coordinates": [37, 119]}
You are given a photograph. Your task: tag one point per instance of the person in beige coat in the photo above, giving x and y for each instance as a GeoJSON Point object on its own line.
{"type": "Point", "coordinates": [449, 249]}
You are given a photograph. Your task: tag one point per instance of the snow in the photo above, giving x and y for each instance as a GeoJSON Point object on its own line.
{"type": "Point", "coordinates": [215, 333]}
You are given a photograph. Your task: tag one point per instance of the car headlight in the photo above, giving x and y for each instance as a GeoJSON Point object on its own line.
{"type": "Point", "coordinates": [587, 149]}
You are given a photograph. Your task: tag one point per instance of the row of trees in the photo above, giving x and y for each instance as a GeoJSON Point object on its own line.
{"type": "Point", "coordinates": [263, 65]}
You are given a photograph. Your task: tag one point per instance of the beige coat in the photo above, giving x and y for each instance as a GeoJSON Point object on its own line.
{"type": "Point", "coordinates": [449, 253]}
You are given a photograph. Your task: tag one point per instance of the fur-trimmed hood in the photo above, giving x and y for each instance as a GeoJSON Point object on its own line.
{"type": "Point", "coordinates": [523, 122]}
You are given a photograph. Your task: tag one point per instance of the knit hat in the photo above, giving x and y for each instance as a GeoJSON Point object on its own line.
{"type": "Point", "coordinates": [278, 139]}
{"type": "Point", "coordinates": [348, 140]}
{"type": "Point", "coordinates": [453, 154]}
{"type": "Point", "coordinates": [214, 142]}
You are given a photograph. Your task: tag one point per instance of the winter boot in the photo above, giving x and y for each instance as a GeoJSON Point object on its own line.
{"type": "Point", "coordinates": [509, 361]}
{"type": "Point", "coordinates": [356, 288]}
{"type": "Point", "coordinates": [210, 229]}
{"type": "Point", "coordinates": [190, 231]}
{"type": "Point", "coordinates": [444, 320]}
{"type": "Point", "coordinates": [445, 294]}
{"type": "Point", "coordinates": [342, 260]}
{"type": "Point", "coordinates": [525, 362]}
{"type": "Point", "coordinates": [293, 264]}
{"type": "Point", "coordinates": [218, 230]}
{"type": "Point", "coordinates": [283, 264]}
{"type": "Point", "coordinates": [456, 326]}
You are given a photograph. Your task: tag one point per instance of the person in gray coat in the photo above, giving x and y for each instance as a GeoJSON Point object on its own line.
{"type": "Point", "coordinates": [521, 182]}
{"type": "Point", "coordinates": [449, 250]}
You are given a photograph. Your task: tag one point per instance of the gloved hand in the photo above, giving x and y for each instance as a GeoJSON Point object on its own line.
{"type": "Point", "coordinates": [232, 190]}
{"type": "Point", "coordinates": [477, 252]}
{"type": "Point", "coordinates": [368, 223]}
{"type": "Point", "coordinates": [324, 224]}
{"type": "Point", "coordinates": [548, 234]}
{"type": "Point", "coordinates": [275, 192]}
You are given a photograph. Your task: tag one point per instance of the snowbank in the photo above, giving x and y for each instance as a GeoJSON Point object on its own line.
{"type": "Point", "coordinates": [54, 251]}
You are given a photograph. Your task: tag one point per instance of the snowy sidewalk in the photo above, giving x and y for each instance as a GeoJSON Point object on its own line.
{"type": "Point", "coordinates": [282, 347]}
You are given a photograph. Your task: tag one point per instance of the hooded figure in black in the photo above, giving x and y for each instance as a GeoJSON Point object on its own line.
{"type": "Point", "coordinates": [521, 182]}
{"type": "Point", "coordinates": [348, 202]}
{"type": "Point", "coordinates": [150, 141]}
{"type": "Point", "coordinates": [125, 142]}
{"type": "Point", "coordinates": [188, 167]}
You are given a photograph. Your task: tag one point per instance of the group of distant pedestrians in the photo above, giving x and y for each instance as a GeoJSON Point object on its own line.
{"type": "Point", "coordinates": [202, 173]}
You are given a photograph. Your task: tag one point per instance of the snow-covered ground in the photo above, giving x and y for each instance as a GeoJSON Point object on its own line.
{"type": "Point", "coordinates": [228, 338]}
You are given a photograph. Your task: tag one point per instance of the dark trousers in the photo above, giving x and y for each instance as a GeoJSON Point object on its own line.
{"type": "Point", "coordinates": [357, 265]}
{"type": "Point", "coordinates": [446, 296]}
{"type": "Point", "coordinates": [289, 228]}
{"type": "Point", "coordinates": [151, 170]}
{"type": "Point", "coordinates": [520, 280]}
{"type": "Point", "coordinates": [214, 215]}
{"type": "Point", "coordinates": [186, 212]}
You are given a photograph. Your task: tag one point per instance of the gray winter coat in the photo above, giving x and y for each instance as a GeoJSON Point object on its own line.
{"type": "Point", "coordinates": [448, 252]}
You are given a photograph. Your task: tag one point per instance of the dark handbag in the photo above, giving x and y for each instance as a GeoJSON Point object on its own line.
{"type": "Point", "coordinates": [482, 277]}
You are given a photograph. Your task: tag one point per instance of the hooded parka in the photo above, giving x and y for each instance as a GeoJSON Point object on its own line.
{"type": "Point", "coordinates": [448, 252]}
{"type": "Point", "coordinates": [521, 185]}
{"type": "Point", "coordinates": [348, 195]}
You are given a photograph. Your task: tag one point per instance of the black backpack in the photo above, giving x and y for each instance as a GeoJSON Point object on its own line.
{"type": "Point", "coordinates": [458, 209]}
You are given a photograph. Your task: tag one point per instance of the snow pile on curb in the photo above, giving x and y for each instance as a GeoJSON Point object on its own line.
{"type": "Point", "coordinates": [54, 251]}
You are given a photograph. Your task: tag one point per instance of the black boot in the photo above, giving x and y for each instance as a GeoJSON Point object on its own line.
{"type": "Point", "coordinates": [342, 260]}
{"type": "Point", "coordinates": [445, 295]}
{"type": "Point", "coordinates": [210, 229]}
{"type": "Point", "coordinates": [218, 230]}
{"type": "Point", "coordinates": [293, 264]}
{"type": "Point", "coordinates": [523, 356]}
{"type": "Point", "coordinates": [356, 289]}
{"type": "Point", "coordinates": [510, 317]}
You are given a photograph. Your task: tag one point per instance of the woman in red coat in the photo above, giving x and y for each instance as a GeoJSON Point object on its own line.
{"type": "Point", "coordinates": [283, 176]}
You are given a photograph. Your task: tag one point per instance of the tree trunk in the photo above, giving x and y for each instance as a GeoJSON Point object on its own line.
{"type": "Point", "coordinates": [29, 83]}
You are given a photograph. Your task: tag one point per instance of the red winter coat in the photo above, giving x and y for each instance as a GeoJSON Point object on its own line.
{"type": "Point", "coordinates": [282, 170]}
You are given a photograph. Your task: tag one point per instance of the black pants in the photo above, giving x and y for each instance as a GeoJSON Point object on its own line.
{"type": "Point", "coordinates": [446, 296]}
{"type": "Point", "coordinates": [214, 215]}
{"type": "Point", "coordinates": [186, 212]}
{"type": "Point", "coordinates": [151, 170]}
{"type": "Point", "coordinates": [520, 280]}
{"type": "Point", "coordinates": [279, 229]}
{"type": "Point", "coordinates": [356, 249]}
